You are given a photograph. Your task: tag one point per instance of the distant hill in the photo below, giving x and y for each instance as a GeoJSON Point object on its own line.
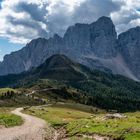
{"type": "Point", "coordinates": [60, 67]}
{"type": "Point", "coordinates": [93, 87]}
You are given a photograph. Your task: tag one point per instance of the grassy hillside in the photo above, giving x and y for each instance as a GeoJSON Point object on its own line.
{"type": "Point", "coordinates": [76, 123]}
{"type": "Point", "coordinates": [110, 96]}
{"type": "Point", "coordinates": [110, 92]}
{"type": "Point", "coordinates": [9, 120]}
{"type": "Point", "coordinates": [73, 81]}
{"type": "Point", "coordinates": [5, 90]}
{"type": "Point", "coordinates": [12, 97]}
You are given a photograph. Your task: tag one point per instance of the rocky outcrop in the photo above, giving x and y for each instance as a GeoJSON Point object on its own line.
{"type": "Point", "coordinates": [129, 47]}
{"type": "Point", "coordinates": [34, 54]}
{"type": "Point", "coordinates": [98, 38]}
{"type": "Point", "coordinates": [94, 45]}
{"type": "Point", "coordinates": [103, 38]}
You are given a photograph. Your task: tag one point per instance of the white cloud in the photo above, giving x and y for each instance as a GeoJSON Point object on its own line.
{"type": "Point", "coordinates": [128, 16]}
{"type": "Point", "coordinates": [23, 20]}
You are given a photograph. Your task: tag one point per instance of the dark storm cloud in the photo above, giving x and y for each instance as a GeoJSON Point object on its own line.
{"type": "Point", "coordinates": [35, 12]}
{"type": "Point", "coordinates": [90, 10]}
{"type": "Point", "coordinates": [23, 20]}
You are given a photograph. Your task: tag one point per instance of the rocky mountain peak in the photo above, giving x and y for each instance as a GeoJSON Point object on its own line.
{"type": "Point", "coordinates": [77, 36]}
{"type": "Point", "coordinates": [103, 38]}
{"type": "Point", "coordinates": [105, 25]}
{"type": "Point", "coordinates": [132, 33]}
{"type": "Point", "coordinates": [104, 20]}
{"type": "Point", "coordinates": [129, 45]}
{"type": "Point", "coordinates": [98, 37]}
{"type": "Point", "coordinates": [94, 45]}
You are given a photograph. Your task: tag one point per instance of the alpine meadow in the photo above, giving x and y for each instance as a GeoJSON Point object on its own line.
{"type": "Point", "coordinates": [70, 70]}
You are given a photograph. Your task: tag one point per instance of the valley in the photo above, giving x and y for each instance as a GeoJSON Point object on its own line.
{"type": "Point", "coordinates": [70, 121]}
{"type": "Point", "coordinates": [77, 124]}
{"type": "Point", "coordinates": [72, 102]}
{"type": "Point", "coordinates": [82, 86]}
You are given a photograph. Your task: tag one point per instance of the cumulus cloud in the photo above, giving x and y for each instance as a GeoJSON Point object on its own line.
{"type": "Point", "coordinates": [23, 20]}
{"type": "Point", "coordinates": [128, 16]}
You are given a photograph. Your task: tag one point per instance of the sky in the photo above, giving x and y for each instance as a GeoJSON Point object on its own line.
{"type": "Point", "coordinates": [24, 20]}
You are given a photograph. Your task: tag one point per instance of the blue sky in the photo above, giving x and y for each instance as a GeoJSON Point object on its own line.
{"type": "Point", "coordinates": [24, 20]}
{"type": "Point", "coordinates": [6, 47]}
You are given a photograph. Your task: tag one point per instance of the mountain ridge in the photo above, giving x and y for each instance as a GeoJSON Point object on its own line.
{"type": "Point", "coordinates": [73, 81]}
{"type": "Point", "coordinates": [94, 45]}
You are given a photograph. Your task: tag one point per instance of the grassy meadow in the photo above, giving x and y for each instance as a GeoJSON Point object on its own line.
{"type": "Point", "coordinates": [9, 120]}
{"type": "Point", "coordinates": [78, 122]}
{"type": "Point", "coordinates": [5, 90]}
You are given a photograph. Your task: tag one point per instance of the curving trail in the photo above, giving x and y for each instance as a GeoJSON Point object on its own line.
{"type": "Point", "coordinates": [32, 129]}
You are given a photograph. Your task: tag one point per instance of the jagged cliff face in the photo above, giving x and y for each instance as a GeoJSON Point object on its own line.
{"type": "Point", "coordinates": [34, 54]}
{"type": "Point", "coordinates": [94, 45]}
{"type": "Point", "coordinates": [129, 43]}
{"type": "Point", "coordinates": [98, 37]}
{"type": "Point", "coordinates": [103, 38]}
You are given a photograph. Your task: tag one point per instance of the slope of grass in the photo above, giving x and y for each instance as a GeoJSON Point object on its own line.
{"type": "Point", "coordinates": [133, 136]}
{"type": "Point", "coordinates": [58, 115]}
{"type": "Point", "coordinates": [112, 127]}
{"type": "Point", "coordinates": [78, 122]}
{"type": "Point", "coordinates": [5, 90]}
{"type": "Point", "coordinates": [104, 90]}
{"type": "Point", "coordinates": [16, 97]}
{"type": "Point", "coordinates": [9, 120]}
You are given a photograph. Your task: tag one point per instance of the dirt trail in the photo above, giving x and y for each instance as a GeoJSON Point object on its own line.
{"type": "Point", "coordinates": [98, 137]}
{"type": "Point", "coordinates": [32, 129]}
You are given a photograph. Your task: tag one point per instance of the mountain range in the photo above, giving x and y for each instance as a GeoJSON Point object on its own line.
{"type": "Point", "coordinates": [94, 45]}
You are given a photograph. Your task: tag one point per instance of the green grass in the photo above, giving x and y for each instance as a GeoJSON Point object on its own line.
{"type": "Point", "coordinates": [9, 120]}
{"type": "Point", "coordinates": [58, 116]}
{"type": "Point", "coordinates": [79, 122]}
{"type": "Point", "coordinates": [78, 107]}
{"type": "Point", "coordinates": [45, 83]}
{"type": "Point", "coordinates": [116, 128]}
{"type": "Point", "coordinates": [134, 136]}
{"type": "Point", "coordinates": [4, 90]}
{"type": "Point", "coordinates": [16, 97]}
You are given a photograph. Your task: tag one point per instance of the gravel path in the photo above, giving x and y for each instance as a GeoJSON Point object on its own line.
{"type": "Point", "coordinates": [32, 129]}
